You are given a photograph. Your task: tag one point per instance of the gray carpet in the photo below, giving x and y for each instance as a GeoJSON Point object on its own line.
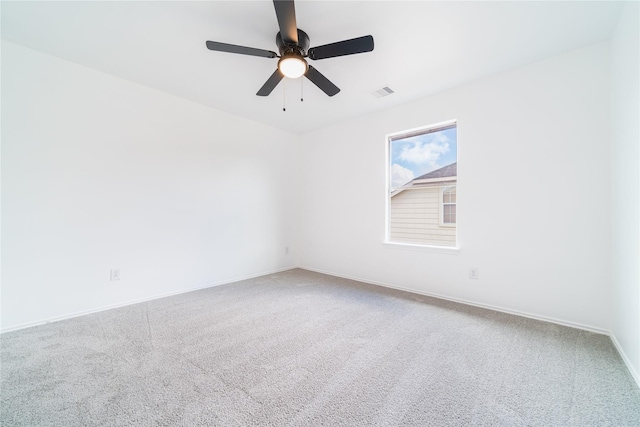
{"type": "Point", "coordinates": [300, 349]}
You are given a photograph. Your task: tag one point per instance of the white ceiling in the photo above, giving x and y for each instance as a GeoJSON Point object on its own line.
{"type": "Point", "coordinates": [420, 47]}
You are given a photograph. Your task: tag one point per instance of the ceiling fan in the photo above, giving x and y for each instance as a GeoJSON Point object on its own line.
{"type": "Point", "coordinates": [293, 46]}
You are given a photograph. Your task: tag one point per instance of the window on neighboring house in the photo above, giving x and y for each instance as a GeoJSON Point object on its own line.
{"type": "Point", "coordinates": [422, 180]}
{"type": "Point", "coordinates": [449, 205]}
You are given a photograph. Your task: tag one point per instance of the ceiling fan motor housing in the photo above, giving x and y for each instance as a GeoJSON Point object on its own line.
{"type": "Point", "coordinates": [300, 49]}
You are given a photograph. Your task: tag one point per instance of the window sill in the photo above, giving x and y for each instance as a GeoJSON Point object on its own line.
{"type": "Point", "coordinates": [449, 250]}
{"type": "Point", "coordinates": [443, 225]}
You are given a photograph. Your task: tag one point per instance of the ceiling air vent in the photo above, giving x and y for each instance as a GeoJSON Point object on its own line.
{"type": "Point", "coordinates": [385, 91]}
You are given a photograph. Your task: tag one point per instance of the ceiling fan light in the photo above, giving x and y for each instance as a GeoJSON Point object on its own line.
{"type": "Point", "coordinates": [292, 66]}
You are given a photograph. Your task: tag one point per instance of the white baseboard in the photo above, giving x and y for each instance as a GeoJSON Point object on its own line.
{"type": "Point", "coordinates": [627, 361]}
{"type": "Point", "coordinates": [472, 303]}
{"type": "Point", "coordinates": [137, 301]}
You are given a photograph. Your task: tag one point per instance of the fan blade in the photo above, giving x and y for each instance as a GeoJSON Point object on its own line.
{"type": "Point", "coordinates": [232, 48]}
{"type": "Point", "coordinates": [270, 84]}
{"type": "Point", "coordinates": [321, 81]}
{"type": "Point", "coordinates": [286, 13]}
{"type": "Point", "coordinates": [345, 47]}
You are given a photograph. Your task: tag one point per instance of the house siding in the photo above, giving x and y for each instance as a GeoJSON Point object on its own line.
{"type": "Point", "coordinates": [415, 218]}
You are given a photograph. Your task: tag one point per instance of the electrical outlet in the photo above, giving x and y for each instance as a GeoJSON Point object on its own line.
{"type": "Point", "coordinates": [115, 274]}
{"type": "Point", "coordinates": [474, 273]}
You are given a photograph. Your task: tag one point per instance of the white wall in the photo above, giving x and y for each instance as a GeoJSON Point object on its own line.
{"type": "Point", "coordinates": [625, 105]}
{"type": "Point", "coordinates": [533, 193]}
{"type": "Point", "coordinates": [101, 173]}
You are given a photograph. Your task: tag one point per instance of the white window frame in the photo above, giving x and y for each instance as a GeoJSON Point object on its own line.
{"type": "Point", "coordinates": [423, 247]}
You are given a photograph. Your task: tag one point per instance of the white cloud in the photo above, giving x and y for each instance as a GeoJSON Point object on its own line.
{"type": "Point", "coordinates": [400, 175]}
{"type": "Point", "coordinates": [426, 153]}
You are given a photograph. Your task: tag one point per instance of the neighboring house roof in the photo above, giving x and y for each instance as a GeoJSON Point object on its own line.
{"type": "Point", "coordinates": [445, 175]}
{"type": "Point", "coordinates": [443, 172]}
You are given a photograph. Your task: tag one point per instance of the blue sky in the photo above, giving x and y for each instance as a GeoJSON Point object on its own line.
{"type": "Point", "coordinates": [417, 155]}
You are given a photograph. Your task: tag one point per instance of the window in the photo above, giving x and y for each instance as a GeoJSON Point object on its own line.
{"type": "Point", "coordinates": [422, 180]}
{"type": "Point", "coordinates": [448, 212]}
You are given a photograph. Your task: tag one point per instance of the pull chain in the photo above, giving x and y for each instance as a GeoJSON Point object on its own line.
{"type": "Point", "coordinates": [284, 95]}
{"type": "Point", "coordinates": [301, 89]}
